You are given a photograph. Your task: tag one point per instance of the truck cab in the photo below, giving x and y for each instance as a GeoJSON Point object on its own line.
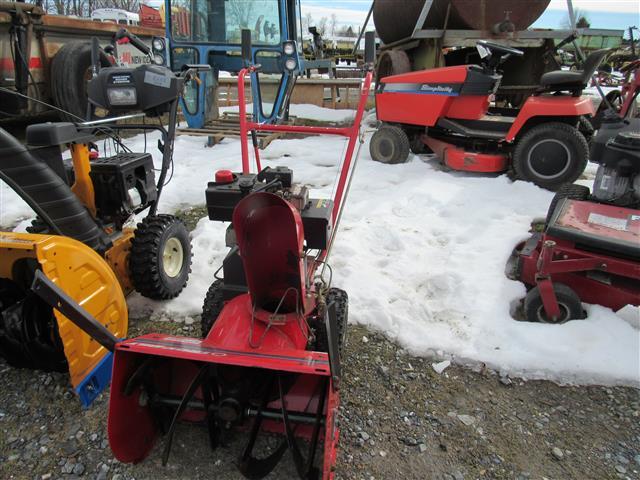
{"type": "Point", "coordinates": [209, 32]}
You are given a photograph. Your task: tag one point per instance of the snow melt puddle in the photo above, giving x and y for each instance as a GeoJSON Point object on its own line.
{"type": "Point", "coordinates": [422, 254]}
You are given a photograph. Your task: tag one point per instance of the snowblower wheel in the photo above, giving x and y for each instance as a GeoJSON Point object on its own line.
{"type": "Point", "coordinates": [160, 259]}
{"type": "Point", "coordinates": [570, 191]}
{"type": "Point", "coordinates": [568, 301]}
{"type": "Point", "coordinates": [341, 299]}
{"type": "Point", "coordinates": [390, 144]}
{"type": "Point", "coordinates": [551, 155]}
{"type": "Point", "coordinates": [213, 305]}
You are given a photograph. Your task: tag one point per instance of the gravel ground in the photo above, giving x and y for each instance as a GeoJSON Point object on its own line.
{"type": "Point", "coordinates": [400, 419]}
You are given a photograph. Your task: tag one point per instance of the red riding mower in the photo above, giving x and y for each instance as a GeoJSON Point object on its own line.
{"type": "Point", "coordinates": [448, 110]}
{"type": "Point", "coordinates": [82, 238]}
{"type": "Point", "coordinates": [273, 327]}
{"type": "Point", "coordinates": [590, 247]}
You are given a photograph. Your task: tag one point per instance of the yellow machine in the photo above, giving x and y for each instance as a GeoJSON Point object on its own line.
{"type": "Point", "coordinates": [81, 239]}
{"type": "Point", "coordinates": [87, 279]}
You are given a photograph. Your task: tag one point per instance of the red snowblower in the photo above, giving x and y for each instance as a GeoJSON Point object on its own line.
{"type": "Point", "coordinates": [448, 110]}
{"type": "Point", "coordinates": [273, 327]}
{"type": "Point", "coordinates": [590, 247]}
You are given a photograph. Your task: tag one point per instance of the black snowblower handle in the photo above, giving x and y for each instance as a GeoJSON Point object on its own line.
{"type": "Point", "coordinates": [56, 298]}
{"type": "Point", "coordinates": [135, 41]}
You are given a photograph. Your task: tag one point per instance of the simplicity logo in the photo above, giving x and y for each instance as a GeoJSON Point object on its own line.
{"type": "Point", "coordinates": [438, 88]}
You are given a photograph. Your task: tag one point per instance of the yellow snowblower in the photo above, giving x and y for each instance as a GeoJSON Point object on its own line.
{"type": "Point", "coordinates": [80, 239]}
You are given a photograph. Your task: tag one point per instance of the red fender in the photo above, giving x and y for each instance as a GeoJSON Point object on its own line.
{"type": "Point", "coordinates": [550, 106]}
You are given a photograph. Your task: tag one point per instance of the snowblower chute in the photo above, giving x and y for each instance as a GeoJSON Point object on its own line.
{"type": "Point", "coordinates": [273, 327]}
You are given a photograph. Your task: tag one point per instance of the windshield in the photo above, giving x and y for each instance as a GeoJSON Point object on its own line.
{"type": "Point", "coordinates": [221, 21]}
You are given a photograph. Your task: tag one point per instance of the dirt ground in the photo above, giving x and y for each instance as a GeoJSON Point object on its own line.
{"type": "Point", "coordinates": [400, 419]}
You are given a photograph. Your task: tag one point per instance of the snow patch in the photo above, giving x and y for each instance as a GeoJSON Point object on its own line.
{"type": "Point", "coordinates": [421, 252]}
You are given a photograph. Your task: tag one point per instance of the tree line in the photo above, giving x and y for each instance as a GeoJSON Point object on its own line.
{"type": "Point", "coordinates": [83, 8]}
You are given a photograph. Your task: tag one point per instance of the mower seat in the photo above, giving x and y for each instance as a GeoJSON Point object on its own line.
{"type": "Point", "coordinates": [573, 81]}
{"type": "Point", "coordinates": [270, 237]}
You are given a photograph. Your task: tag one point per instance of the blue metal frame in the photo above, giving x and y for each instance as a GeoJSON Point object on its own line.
{"type": "Point", "coordinates": [96, 381]}
{"type": "Point", "coordinates": [235, 64]}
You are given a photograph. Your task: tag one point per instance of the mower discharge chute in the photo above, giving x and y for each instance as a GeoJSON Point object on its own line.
{"type": "Point", "coordinates": [273, 327]}
{"type": "Point", "coordinates": [80, 239]}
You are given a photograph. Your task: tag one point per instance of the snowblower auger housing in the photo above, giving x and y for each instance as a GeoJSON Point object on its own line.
{"type": "Point", "coordinates": [87, 279]}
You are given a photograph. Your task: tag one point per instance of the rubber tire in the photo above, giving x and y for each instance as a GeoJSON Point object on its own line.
{"type": "Point", "coordinates": [569, 136]}
{"type": "Point", "coordinates": [417, 146]}
{"type": "Point", "coordinates": [145, 261]}
{"type": "Point", "coordinates": [392, 62]}
{"type": "Point", "coordinates": [341, 300]}
{"type": "Point", "coordinates": [68, 83]}
{"type": "Point", "coordinates": [571, 191]}
{"type": "Point", "coordinates": [566, 297]}
{"type": "Point", "coordinates": [213, 305]}
{"type": "Point", "coordinates": [393, 138]}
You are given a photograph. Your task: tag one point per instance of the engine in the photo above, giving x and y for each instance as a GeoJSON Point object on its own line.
{"type": "Point", "coordinates": [617, 151]}
{"type": "Point", "coordinates": [229, 188]}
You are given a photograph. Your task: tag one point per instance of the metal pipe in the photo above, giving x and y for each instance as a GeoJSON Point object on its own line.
{"type": "Point", "coordinates": [111, 120]}
{"type": "Point", "coordinates": [268, 413]}
{"type": "Point", "coordinates": [364, 27]}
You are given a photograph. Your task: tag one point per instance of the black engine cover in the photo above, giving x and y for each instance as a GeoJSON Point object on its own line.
{"type": "Point", "coordinates": [117, 180]}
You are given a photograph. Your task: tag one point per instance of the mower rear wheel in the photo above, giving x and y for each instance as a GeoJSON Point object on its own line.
{"type": "Point", "coordinates": [160, 259]}
{"type": "Point", "coordinates": [390, 144]}
{"type": "Point", "coordinates": [551, 155]}
{"type": "Point", "coordinates": [568, 301]}
{"type": "Point", "coordinates": [341, 300]}
{"type": "Point", "coordinates": [213, 305]}
{"type": "Point", "coordinates": [571, 191]}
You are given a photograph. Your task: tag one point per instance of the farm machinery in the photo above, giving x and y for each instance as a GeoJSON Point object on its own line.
{"type": "Point", "coordinates": [589, 249]}
{"type": "Point", "coordinates": [84, 238]}
{"type": "Point", "coordinates": [273, 327]}
{"type": "Point", "coordinates": [448, 110]}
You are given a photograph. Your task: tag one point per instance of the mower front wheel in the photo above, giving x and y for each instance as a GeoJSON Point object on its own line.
{"type": "Point", "coordinates": [160, 259]}
{"type": "Point", "coordinates": [213, 305]}
{"type": "Point", "coordinates": [551, 155]}
{"type": "Point", "coordinates": [390, 144]}
{"type": "Point", "coordinates": [568, 301]}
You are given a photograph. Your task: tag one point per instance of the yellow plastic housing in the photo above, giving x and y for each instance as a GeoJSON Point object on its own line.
{"type": "Point", "coordinates": [86, 278]}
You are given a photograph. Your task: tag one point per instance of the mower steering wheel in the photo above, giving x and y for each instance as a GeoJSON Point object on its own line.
{"type": "Point", "coordinates": [494, 47]}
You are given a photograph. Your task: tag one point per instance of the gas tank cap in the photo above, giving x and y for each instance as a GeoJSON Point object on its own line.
{"type": "Point", "coordinates": [224, 176]}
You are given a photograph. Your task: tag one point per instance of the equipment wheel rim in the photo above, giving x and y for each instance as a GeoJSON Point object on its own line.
{"type": "Point", "coordinates": [172, 257]}
{"type": "Point", "coordinates": [564, 314]}
{"type": "Point", "coordinates": [535, 162]}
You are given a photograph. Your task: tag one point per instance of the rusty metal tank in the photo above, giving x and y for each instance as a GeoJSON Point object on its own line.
{"type": "Point", "coordinates": [395, 19]}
